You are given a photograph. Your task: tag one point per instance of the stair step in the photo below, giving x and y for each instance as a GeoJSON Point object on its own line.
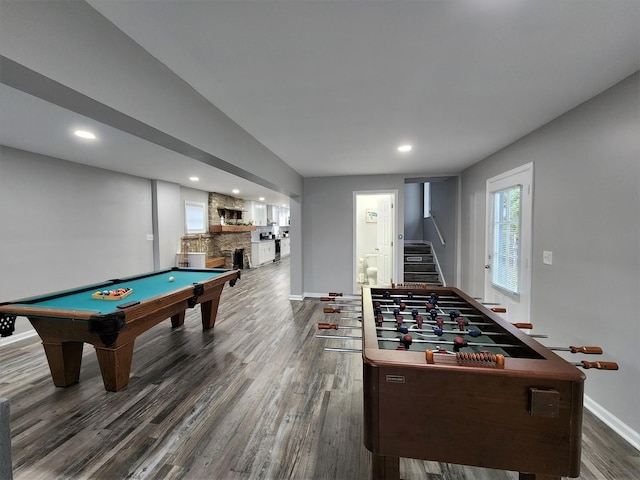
{"type": "Point", "coordinates": [418, 258]}
{"type": "Point", "coordinates": [417, 249]}
{"type": "Point", "coordinates": [420, 267]}
{"type": "Point", "coordinates": [421, 277]}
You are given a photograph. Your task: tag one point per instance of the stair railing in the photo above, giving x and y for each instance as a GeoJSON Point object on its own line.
{"type": "Point", "coordinates": [438, 269]}
{"type": "Point", "coordinates": [437, 225]}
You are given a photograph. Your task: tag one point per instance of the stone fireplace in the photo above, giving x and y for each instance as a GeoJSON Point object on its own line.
{"type": "Point", "coordinates": [224, 240]}
{"type": "Point", "coordinates": [223, 244]}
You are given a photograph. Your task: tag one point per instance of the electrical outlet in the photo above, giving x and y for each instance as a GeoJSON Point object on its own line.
{"type": "Point", "coordinates": [547, 257]}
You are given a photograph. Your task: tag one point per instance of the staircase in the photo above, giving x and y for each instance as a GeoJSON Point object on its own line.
{"type": "Point", "coordinates": [420, 264]}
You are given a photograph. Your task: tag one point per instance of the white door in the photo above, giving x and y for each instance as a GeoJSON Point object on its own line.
{"type": "Point", "coordinates": [508, 243]}
{"type": "Point", "coordinates": [385, 240]}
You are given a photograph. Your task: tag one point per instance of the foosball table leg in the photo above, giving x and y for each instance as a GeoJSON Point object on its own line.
{"type": "Point", "coordinates": [385, 468]}
{"type": "Point", "coordinates": [537, 476]}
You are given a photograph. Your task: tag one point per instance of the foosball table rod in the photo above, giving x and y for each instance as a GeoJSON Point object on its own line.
{"type": "Point", "coordinates": [343, 350]}
{"type": "Point", "coordinates": [340, 310]}
{"type": "Point", "coordinates": [335, 326]}
{"type": "Point", "coordinates": [340, 337]}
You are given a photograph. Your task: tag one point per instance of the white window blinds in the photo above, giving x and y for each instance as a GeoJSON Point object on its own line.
{"type": "Point", "coordinates": [505, 265]}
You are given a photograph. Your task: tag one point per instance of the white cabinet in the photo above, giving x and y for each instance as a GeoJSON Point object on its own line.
{"type": "Point", "coordinates": [285, 247]}
{"type": "Point", "coordinates": [256, 213]}
{"type": "Point", "coordinates": [263, 252]}
{"type": "Point", "coordinates": [283, 216]}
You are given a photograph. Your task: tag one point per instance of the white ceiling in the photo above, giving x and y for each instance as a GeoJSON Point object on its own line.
{"type": "Point", "coordinates": [333, 87]}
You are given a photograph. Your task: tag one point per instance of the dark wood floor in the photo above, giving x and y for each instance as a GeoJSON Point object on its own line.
{"type": "Point", "coordinates": [255, 398]}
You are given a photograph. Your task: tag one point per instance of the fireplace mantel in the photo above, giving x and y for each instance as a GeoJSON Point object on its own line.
{"type": "Point", "coordinates": [231, 228]}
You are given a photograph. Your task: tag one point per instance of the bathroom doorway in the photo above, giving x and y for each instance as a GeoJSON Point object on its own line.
{"type": "Point", "coordinates": [374, 249]}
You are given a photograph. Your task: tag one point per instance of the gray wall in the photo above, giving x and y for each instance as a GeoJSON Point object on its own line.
{"type": "Point", "coordinates": [586, 208]}
{"type": "Point", "coordinates": [328, 229]}
{"type": "Point", "coordinates": [444, 205]}
{"type": "Point", "coordinates": [413, 215]}
{"type": "Point", "coordinates": [65, 225]}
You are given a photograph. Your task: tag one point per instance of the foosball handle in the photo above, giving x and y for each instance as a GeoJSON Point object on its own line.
{"type": "Point", "coordinates": [499, 309]}
{"type": "Point", "coordinates": [429, 357]}
{"type": "Point", "coordinates": [331, 310]}
{"type": "Point", "coordinates": [528, 326]}
{"type": "Point", "coordinates": [327, 326]}
{"type": "Point", "coordinates": [600, 365]}
{"type": "Point", "coordinates": [335, 294]}
{"type": "Point", "coordinates": [588, 350]}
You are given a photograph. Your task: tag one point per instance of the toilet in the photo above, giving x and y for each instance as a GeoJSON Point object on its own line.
{"type": "Point", "coordinates": [371, 260]}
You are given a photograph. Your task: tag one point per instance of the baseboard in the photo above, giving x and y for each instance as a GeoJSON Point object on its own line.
{"type": "Point", "coordinates": [296, 298]}
{"type": "Point", "coordinates": [613, 422]}
{"type": "Point", "coordinates": [16, 338]}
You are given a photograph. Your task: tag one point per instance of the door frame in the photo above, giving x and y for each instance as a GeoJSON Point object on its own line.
{"type": "Point", "coordinates": [394, 248]}
{"type": "Point", "coordinates": [526, 225]}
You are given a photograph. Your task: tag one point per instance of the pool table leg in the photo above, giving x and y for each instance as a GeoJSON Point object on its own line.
{"type": "Point", "coordinates": [64, 360]}
{"type": "Point", "coordinates": [385, 468]}
{"type": "Point", "coordinates": [178, 319]}
{"type": "Point", "coordinates": [115, 365]}
{"type": "Point", "coordinates": [209, 311]}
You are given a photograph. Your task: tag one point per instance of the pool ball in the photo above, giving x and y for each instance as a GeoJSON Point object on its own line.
{"type": "Point", "coordinates": [171, 279]}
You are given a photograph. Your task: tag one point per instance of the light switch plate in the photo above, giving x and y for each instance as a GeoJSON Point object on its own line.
{"type": "Point", "coordinates": [547, 257]}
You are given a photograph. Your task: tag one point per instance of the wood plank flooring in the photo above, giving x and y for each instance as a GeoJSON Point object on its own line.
{"type": "Point", "coordinates": [257, 397]}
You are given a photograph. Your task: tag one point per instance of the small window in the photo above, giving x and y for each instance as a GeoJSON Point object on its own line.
{"type": "Point", "coordinates": [195, 217]}
{"type": "Point", "coordinates": [427, 200]}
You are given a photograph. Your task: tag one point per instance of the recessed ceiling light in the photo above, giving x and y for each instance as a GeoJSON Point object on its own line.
{"type": "Point", "coordinates": [194, 179]}
{"type": "Point", "coordinates": [235, 190]}
{"type": "Point", "coordinates": [85, 134]}
{"type": "Point", "coordinates": [405, 148]}
{"type": "Point", "coordinates": [261, 199]}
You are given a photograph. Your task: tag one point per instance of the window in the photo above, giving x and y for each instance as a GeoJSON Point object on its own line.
{"type": "Point", "coordinates": [195, 217]}
{"type": "Point", "coordinates": [427, 200]}
{"type": "Point", "coordinates": [506, 239]}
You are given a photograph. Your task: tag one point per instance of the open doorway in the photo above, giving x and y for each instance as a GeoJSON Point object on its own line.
{"type": "Point", "coordinates": [374, 227]}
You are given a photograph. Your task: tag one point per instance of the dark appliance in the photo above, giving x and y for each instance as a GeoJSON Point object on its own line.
{"type": "Point", "coordinates": [277, 250]}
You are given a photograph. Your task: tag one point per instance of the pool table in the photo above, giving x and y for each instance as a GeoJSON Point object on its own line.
{"type": "Point", "coordinates": [67, 320]}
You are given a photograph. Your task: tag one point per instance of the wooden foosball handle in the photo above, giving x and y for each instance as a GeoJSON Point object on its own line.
{"type": "Point", "coordinates": [331, 310]}
{"type": "Point", "coordinates": [328, 326]}
{"type": "Point", "coordinates": [586, 349]}
{"type": "Point", "coordinates": [528, 326]}
{"type": "Point", "coordinates": [599, 365]}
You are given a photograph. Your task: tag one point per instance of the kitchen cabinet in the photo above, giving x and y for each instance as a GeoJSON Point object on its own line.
{"type": "Point", "coordinates": [256, 213]}
{"type": "Point", "coordinates": [285, 246]}
{"type": "Point", "coordinates": [263, 252]}
{"type": "Point", "coordinates": [283, 216]}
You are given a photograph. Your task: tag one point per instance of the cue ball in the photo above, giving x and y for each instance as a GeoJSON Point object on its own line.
{"type": "Point", "coordinates": [171, 279]}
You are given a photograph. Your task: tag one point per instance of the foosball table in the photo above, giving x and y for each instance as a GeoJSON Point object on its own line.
{"type": "Point", "coordinates": [447, 379]}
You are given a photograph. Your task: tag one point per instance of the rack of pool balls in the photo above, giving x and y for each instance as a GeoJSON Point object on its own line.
{"type": "Point", "coordinates": [118, 294]}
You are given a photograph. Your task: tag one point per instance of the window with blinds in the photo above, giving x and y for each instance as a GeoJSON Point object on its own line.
{"type": "Point", "coordinates": [505, 264]}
